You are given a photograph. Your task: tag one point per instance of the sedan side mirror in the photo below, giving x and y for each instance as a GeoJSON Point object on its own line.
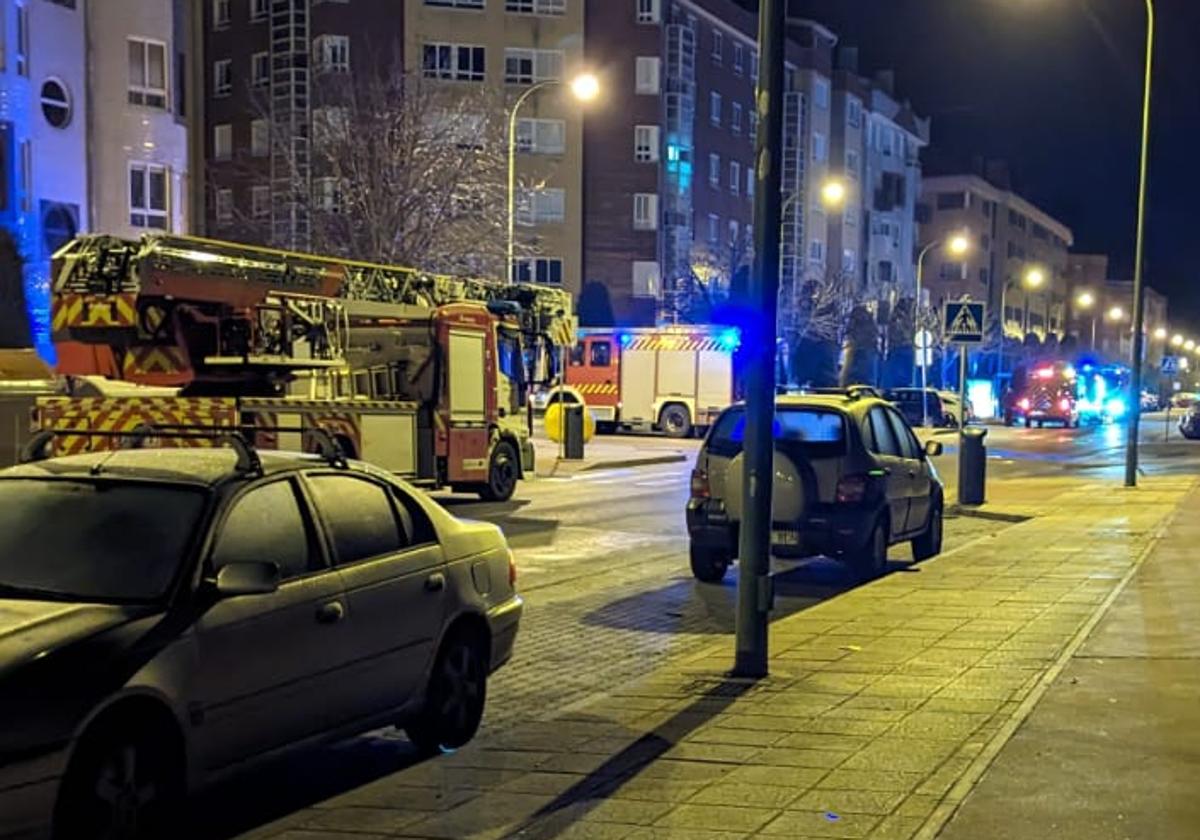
{"type": "Point", "coordinates": [247, 579]}
{"type": "Point", "coordinates": [933, 448]}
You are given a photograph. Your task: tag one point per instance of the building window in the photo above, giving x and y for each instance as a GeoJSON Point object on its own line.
{"type": "Point", "coordinates": [753, 125]}
{"type": "Point", "coordinates": [714, 169]}
{"type": "Point", "coordinates": [260, 138]}
{"type": "Point", "coordinates": [545, 270]}
{"type": "Point", "coordinates": [220, 13]}
{"type": "Point", "coordinates": [224, 205]}
{"type": "Point", "coordinates": [645, 211]}
{"type": "Point", "coordinates": [456, 62]}
{"type": "Point", "coordinates": [754, 65]}
{"type": "Point", "coordinates": [951, 201]}
{"type": "Point", "coordinates": [750, 181]}
{"type": "Point", "coordinates": [821, 92]}
{"type": "Point", "coordinates": [456, 4]}
{"type": "Point", "coordinates": [718, 46]}
{"type": "Point", "coordinates": [533, 7]}
{"type": "Point", "coordinates": [819, 150]}
{"type": "Point", "coordinates": [646, 279]}
{"type": "Point", "coordinates": [527, 67]}
{"type": "Point", "coordinates": [816, 250]}
{"type": "Point", "coordinates": [260, 69]}
{"type": "Point", "coordinates": [26, 175]}
{"type": "Point", "coordinates": [147, 73]}
{"type": "Point", "coordinates": [852, 163]}
{"type": "Point", "coordinates": [56, 104]}
{"type": "Point", "coordinates": [258, 10]}
{"type": "Point", "coordinates": [853, 112]}
{"type": "Point", "coordinates": [260, 202]}
{"type": "Point", "coordinates": [885, 273]}
{"type": "Point", "coordinates": [541, 206]}
{"type": "Point", "coordinates": [647, 74]}
{"type": "Point", "coordinates": [714, 229]}
{"type": "Point", "coordinates": [739, 59]}
{"type": "Point", "coordinates": [223, 141]}
{"type": "Point", "coordinates": [734, 231]}
{"type": "Point", "coordinates": [645, 143]}
{"type": "Point", "coordinates": [332, 53]}
{"type": "Point", "coordinates": [148, 196]}
{"type": "Point", "coordinates": [735, 118]}
{"type": "Point", "coordinates": [223, 77]}
{"type": "Point", "coordinates": [735, 177]}
{"type": "Point", "coordinates": [714, 108]}
{"type": "Point", "coordinates": [541, 136]}
{"type": "Point", "coordinates": [326, 196]}
{"type": "Point", "coordinates": [849, 259]}
{"type": "Point", "coordinates": [649, 11]}
{"type": "Point", "coordinates": [22, 51]}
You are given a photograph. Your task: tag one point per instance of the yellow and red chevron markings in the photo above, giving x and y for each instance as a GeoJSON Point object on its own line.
{"type": "Point", "coordinates": [126, 414]}
{"type": "Point", "coordinates": [72, 309]}
{"type": "Point", "coordinates": [596, 388]}
{"type": "Point", "coordinates": [152, 361]}
{"type": "Point", "coordinates": [675, 342]}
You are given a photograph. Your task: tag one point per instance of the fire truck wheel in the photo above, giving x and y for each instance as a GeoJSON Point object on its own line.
{"type": "Point", "coordinates": [503, 469]}
{"type": "Point", "coordinates": [604, 428]}
{"type": "Point", "coordinates": [676, 421]}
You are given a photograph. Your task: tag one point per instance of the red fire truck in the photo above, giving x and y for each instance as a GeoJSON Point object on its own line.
{"type": "Point", "coordinates": [671, 378]}
{"type": "Point", "coordinates": [421, 374]}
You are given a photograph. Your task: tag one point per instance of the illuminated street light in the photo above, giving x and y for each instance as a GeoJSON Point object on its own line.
{"type": "Point", "coordinates": [1116, 314]}
{"type": "Point", "coordinates": [833, 193]}
{"type": "Point", "coordinates": [1160, 333]}
{"type": "Point", "coordinates": [585, 87]}
{"type": "Point", "coordinates": [959, 244]}
{"type": "Point", "coordinates": [1176, 340]}
{"type": "Point", "coordinates": [1085, 300]}
{"type": "Point", "coordinates": [1034, 278]}
{"type": "Point", "coordinates": [1189, 345]}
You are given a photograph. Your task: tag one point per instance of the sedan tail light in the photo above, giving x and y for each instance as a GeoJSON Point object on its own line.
{"type": "Point", "coordinates": [851, 489]}
{"type": "Point", "coordinates": [700, 488]}
{"type": "Point", "coordinates": [1024, 403]}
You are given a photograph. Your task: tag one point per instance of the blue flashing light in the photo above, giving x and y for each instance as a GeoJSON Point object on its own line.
{"type": "Point", "coordinates": [1115, 408]}
{"type": "Point", "coordinates": [626, 339]}
{"type": "Point", "coordinates": [672, 152]}
{"type": "Point", "coordinates": [730, 339]}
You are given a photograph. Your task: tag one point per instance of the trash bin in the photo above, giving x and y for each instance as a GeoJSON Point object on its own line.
{"type": "Point", "coordinates": [972, 466]}
{"type": "Point", "coordinates": [573, 437]}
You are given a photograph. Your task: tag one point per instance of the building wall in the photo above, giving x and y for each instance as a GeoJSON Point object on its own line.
{"type": "Point", "coordinates": [495, 28]}
{"type": "Point", "coordinates": [1009, 236]}
{"type": "Point", "coordinates": [45, 194]}
{"type": "Point", "coordinates": [126, 135]}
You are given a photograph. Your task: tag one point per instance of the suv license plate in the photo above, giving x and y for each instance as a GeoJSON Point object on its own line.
{"type": "Point", "coordinates": [785, 537]}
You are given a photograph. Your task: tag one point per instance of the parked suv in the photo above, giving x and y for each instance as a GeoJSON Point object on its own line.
{"type": "Point", "coordinates": [851, 479]}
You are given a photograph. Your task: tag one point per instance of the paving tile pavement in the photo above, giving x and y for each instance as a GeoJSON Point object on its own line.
{"type": "Point", "coordinates": [879, 703]}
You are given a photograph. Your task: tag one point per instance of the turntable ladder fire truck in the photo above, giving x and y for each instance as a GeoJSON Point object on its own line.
{"type": "Point", "coordinates": [424, 375]}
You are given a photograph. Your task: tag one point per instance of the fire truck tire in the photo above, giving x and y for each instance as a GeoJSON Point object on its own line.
{"type": "Point", "coordinates": [503, 470]}
{"type": "Point", "coordinates": [605, 428]}
{"type": "Point", "coordinates": [675, 420]}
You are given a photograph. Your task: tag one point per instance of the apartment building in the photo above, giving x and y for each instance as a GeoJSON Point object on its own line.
{"type": "Point", "coordinates": [138, 135]}
{"type": "Point", "coordinates": [1010, 237]}
{"type": "Point", "coordinates": [43, 143]}
{"type": "Point", "coordinates": [519, 47]}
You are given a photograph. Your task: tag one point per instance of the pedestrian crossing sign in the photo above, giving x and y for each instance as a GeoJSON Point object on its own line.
{"type": "Point", "coordinates": [963, 322]}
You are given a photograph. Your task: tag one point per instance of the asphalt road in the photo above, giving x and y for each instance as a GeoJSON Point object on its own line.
{"type": "Point", "coordinates": [602, 564]}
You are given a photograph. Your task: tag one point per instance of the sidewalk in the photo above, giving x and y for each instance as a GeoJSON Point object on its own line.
{"type": "Point", "coordinates": [611, 452]}
{"type": "Point", "coordinates": [1113, 749]}
{"type": "Point", "coordinates": [883, 706]}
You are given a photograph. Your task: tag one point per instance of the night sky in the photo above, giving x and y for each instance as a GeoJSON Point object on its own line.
{"type": "Point", "coordinates": [1053, 87]}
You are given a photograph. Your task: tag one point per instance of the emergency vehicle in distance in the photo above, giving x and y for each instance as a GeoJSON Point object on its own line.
{"type": "Point", "coordinates": [424, 375]}
{"type": "Point", "coordinates": [676, 379]}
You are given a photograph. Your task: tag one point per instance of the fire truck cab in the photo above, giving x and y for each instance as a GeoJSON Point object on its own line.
{"type": "Point", "coordinates": [673, 379]}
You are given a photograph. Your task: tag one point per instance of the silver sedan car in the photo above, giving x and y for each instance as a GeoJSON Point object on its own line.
{"type": "Point", "coordinates": [168, 616]}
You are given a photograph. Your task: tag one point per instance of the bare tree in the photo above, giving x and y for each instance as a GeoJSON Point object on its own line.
{"type": "Point", "coordinates": [710, 279]}
{"type": "Point", "coordinates": [404, 170]}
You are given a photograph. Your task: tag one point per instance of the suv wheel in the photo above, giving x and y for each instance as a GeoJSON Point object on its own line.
{"type": "Point", "coordinates": [929, 544]}
{"type": "Point", "coordinates": [871, 560]}
{"type": "Point", "coordinates": [709, 565]}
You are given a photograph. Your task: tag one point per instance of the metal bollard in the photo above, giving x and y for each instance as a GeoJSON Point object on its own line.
{"type": "Point", "coordinates": [573, 432]}
{"type": "Point", "coordinates": [972, 466]}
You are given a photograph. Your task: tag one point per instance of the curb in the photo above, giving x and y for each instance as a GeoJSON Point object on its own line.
{"type": "Point", "coordinates": [649, 460]}
{"type": "Point", "coordinates": [972, 512]}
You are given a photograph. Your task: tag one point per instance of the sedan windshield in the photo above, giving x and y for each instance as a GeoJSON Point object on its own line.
{"type": "Point", "coordinates": [110, 541]}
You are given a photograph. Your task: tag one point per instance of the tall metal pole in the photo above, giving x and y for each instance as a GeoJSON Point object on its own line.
{"type": "Point", "coordinates": [754, 541]}
{"type": "Point", "coordinates": [917, 330]}
{"type": "Point", "coordinates": [1139, 300]}
{"type": "Point", "coordinates": [512, 172]}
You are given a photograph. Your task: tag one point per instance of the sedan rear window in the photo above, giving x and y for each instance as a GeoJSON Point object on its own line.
{"type": "Point", "coordinates": [107, 541]}
{"type": "Point", "coordinates": [818, 431]}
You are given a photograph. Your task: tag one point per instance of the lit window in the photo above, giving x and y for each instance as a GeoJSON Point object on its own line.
{"type": "Point", "coordinates": [326, 195]}
{"type": "Point", "coordinates": [821, 92]}
{"type": "Point", "coordinates": [714, 229]}
{"type": "Point", "coordinates": [714, 170]}
{"type": "Point", "coordinates": [714, 108]}
{"type": "Point", "coordinates": [147, 73]}
{"type": "Point", "coordinates": [649, 11]}
{"type": "Point", "coordinates": [148, 196]}
{"type": "Point", "coordinates": [735, 118]}
{"type": "Point", "coordinates": [223, 141]}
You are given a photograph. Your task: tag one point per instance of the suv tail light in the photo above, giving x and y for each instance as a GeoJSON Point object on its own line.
{"type": "Point", "coordinates": [851, 489]}
{"type": "Point", "coordinates": [700, 489]}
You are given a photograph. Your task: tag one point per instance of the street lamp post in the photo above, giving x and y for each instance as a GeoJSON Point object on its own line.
{"type": "Point", "coordinates": [584, 87]}
{"type": "Point", "coordinates": [958, 245]}
{"type": "Point", "coordinates": [1139, 300]}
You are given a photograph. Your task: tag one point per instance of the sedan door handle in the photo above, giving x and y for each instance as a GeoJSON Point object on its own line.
{"type": "Point", "coordinates": [331, 613]}
{"type": "Point", "coordinates": [436, 582]}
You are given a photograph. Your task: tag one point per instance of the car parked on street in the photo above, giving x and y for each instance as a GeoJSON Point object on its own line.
{"type": "Point", "coordinates": [851, 479]}
{"type": "Point", "coordinates": [936, 411]}
{"type": "Point", "coordinates": [169, 616]}
{"type": "Point", "coordinates": [1189, 423]}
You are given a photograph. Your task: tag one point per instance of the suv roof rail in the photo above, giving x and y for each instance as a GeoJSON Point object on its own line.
{"type": "Point", "coordinates": [853, 392]}
{"type": "Point", "coordinates": [238, 439]}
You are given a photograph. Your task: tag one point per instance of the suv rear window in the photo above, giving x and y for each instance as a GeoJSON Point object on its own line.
{"type": "Point", "coordinates": [820, 432]}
